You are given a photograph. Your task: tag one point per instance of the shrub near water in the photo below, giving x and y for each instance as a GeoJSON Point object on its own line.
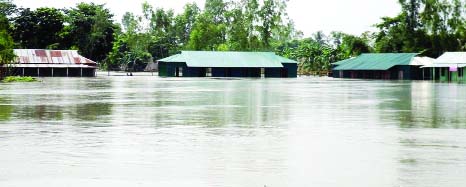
{"type": "Point", "coordinates": [19, 79]}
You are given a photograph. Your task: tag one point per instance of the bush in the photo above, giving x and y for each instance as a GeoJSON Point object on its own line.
{"type": "Point", "coordinates": [19, 79]}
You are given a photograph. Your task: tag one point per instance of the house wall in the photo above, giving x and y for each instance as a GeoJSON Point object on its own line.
{"type": "Point", "coordinates": [445, 75]}
{"type": "Point", "coordinates": [272, 72]}
{"type": "Point", "coordinates": [172, 69]}
{"type": "Point", "coordinates": [194, 72]}
{"type": "Point", "coordinates": [403, 73]}
{"type": "Point", "coordinates": [291, 70]}
{"type": "Point", "coordinates": [219, 72]}
{"type": "Point", "coordinates": [182, 70]}
{"type": "Point", "coordinates": [236, 72]}
{"type": "Point", "coordinates": [394, 73]}
{"type": "Point", "coordinates": [461, 75]}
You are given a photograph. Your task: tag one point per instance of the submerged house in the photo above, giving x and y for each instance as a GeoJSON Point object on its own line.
{"type": "Point", "coordinates": [227, 64]}
{"type": "Point", "coordinates": [401, 66]}
{"type": "Point", "coordinates": [51, 63]}
{"type": "Point", "coordinates": [448, 67]}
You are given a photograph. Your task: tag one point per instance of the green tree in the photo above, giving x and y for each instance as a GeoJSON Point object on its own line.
{"type": "Point", "coordinates": [131, 46]}
{"type": "Point", "coordinates": [222, 25]}
{"type": "Point", "coordinates": [350, 45]}
{"type": "Point", "coordinates": [272, 25]}
{"type": "Point", "coordinates": [216, 10]}
{"type": "Point", "coordinates": [313, 55]}
{"type": "Point", "coordinates": [7, 8]}
{"type": "Point", "coordinates": [269, 20]}
{"type": "Point", "coordinates": [206, 35]}
{"type": "Point", "coordinates": [209, 29]}
{"type": "Point", "coordinates": [91, 30]}
{"type": "Point", "coordinates": [250, 21]}
{"type": "Point", "coordinates": [184, 23]}
{"type": "Point", "coordinates": [237, 30]}
{"type": "Point", "coordinates": [6, 46]}
{"type": "Point", "coordinates": [427, 26]}
{"type": "Point", "coordinates": [38, 29]}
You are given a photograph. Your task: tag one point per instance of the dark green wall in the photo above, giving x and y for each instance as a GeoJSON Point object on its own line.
{"type": "Point", "coordinates": [171, 69]}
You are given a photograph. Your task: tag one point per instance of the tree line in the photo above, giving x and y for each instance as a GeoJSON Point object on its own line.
{"type": "Point", "coordinates": [430, 27]}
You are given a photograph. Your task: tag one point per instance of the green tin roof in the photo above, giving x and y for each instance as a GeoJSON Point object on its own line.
{"type": "Point", "coordinates": [343, 61]}
{"type": "Point", "coordinates": [376, 61]}
{"type": "Point", "coordinates": [228, 59]}
{"type": "Point", "coordinates": [172, 58]}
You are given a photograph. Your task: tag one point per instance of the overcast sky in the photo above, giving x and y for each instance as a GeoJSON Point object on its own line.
{"type": "Point", "coordinates": [350, 16]}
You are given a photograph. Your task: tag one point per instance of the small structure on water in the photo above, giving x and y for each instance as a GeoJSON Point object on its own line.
{"type": "Point", "coordinates": [401, 66]}
{"type": "Point", "coordinates": [227, 64]}
{"type": "Point", "coordinates": [448, 67]}
{"type": "Point", "coordinates": [51, 63]}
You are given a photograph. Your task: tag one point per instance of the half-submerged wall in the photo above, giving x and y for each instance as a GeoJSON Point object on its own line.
{"type": "Point", "coordinates": [180, 69]}
{"type": "Point", "coordinates": [289, 70]}
{"type": "Point", "coordinates": [226, 64]}
{"type": "Point", "coordinates": [445, 74]}
{"type": "Point", "coordinates": [401, 72]}
{"type": "Point", "coordinates": [236, 72]}
{"type": "Point", "coordinates": [53, 72]}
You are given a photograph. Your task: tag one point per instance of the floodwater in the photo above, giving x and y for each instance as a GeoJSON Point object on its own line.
{"type": "Point", "coordinates": [150, 131]}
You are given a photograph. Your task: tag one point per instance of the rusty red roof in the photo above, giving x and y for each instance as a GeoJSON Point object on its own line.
{"type": "Point", "coordinates": [43, 56]}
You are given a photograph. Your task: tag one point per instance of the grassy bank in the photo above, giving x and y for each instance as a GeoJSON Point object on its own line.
{"type": "Point", "coordinates": [19, 79]}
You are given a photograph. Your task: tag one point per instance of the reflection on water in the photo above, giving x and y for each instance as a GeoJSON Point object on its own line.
{"type": "Point", "coordinates": [5, 109]}
{"type": "Point", "coordinates": [424, 104]}
{"type": "Point", "coordinates": [118, 131]}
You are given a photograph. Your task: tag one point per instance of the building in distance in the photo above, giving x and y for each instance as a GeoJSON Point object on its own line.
{"type": "Point", "coordinates": [227, 64]}
{"type": "Point", "coordinates": [51, 63]}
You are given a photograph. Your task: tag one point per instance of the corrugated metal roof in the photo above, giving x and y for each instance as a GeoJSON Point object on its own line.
{"type": "Point", "coordinates": [377, 61]}
{"type": "Point", "coordinates": [228, 59]}
{"type": "Point", "coordinates": [449, 59]}
{"type": "Point", "coordinates": [452, 58]}
{"type": "Point", "coordinates": [343, 61]}
{"type": "Point", "coordinates": [444, 65]}
{"type": "Point", "coordinates": [173, 58]}
{"type": "Point", "coordinates": [42, 56]}
{"type": "Point", "coordinates": [49, 66]}
{"type": "Point", "coordinates": [422, 61]}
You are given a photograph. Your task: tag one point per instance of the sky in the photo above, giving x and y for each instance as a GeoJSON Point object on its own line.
{"type": "Point", "coordinates": [310, 16]}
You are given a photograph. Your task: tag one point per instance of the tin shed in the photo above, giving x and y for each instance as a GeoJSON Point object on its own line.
{"type": "Point", "coordinates": [448, 67]}
{"type": "Point", "coordinates": [226, 64]}
{"type": "Point", "coordinates": [51, 63]}
{"type": "Point", "coordinates": [379, 66]}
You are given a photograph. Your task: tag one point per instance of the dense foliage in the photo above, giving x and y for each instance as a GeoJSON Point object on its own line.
{"type": "Point", "coordinates": [246, 25]}
{"type": "Point", "coordinates": [6, 41]}
{"type": "Point", "coordinates": [430, 27]}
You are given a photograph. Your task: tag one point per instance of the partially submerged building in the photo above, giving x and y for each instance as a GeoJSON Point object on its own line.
{"type": "Point", "coordinates": [227, 64]}
{"type": "Point", "coordinates": [51, 63]}
{"type": "Point", "coordinates": [401, 66]}
{"type": "Point", "coordinates": [448, 67]}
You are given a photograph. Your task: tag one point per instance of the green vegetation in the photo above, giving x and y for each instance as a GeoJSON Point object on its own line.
{"type": "Point", "coordinates": [427, 26]}
{"type": "Point", "coordinates": [6, 41]}
{"type": "Point", "coordinates": [19, 79]}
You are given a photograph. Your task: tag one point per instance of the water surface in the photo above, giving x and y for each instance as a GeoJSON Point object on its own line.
{"type": "Point", "coordinates": [150, 131]}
